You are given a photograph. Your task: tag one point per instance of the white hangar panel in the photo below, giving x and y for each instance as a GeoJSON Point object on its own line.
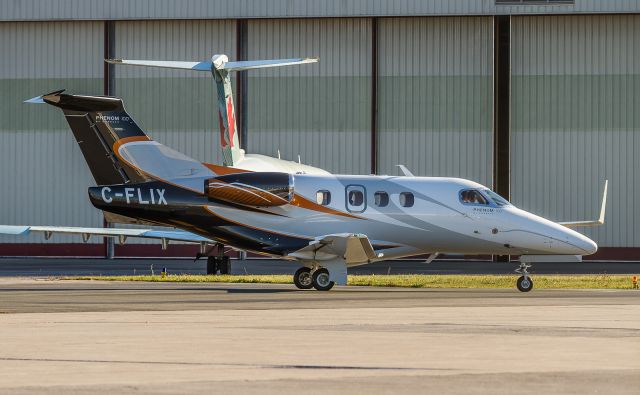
{"type": "Point", "coordinates": [44, 175]}
{"type": "Point", "coordinates": [435, 103]}
{"type": "Point", "coordinates": [176, 108]}
{"type": "Point", "coordinates": [575, 122]}
{"type": "Point", "coordinates": [320, 111]}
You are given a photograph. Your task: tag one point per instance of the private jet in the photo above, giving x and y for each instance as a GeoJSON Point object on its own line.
{"type": "Point", "coordinates": [325, 223]}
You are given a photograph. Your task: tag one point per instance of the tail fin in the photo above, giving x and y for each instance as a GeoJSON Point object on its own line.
{"type": "Point", "coordinates": [220, 67]}
{"type": "Point", "coordinates": [98, 122]}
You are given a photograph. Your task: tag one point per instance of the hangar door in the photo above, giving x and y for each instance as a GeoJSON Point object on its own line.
{"type": "Point", "coordinates": [575, 120]}
{"type": "Point", "coordinates": [435, 96]}
{"type": "Point", "coordinates": [44, 175]}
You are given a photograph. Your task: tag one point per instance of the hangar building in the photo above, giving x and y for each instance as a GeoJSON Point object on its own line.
{"type": "Point", "coordinates": [539, 99]}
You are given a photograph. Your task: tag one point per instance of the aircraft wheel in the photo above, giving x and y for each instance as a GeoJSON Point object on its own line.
{"type": "Point", "coordinates": [212, 265]}
{"type": "Point", "coordinates": [524, 284]}
{"type": "Point", "coordinates": [303, 278]}
{"type": "Point", "coordinates": [321, 280]}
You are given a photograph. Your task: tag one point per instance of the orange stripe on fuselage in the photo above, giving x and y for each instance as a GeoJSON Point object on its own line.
{"type": "Point", "coordinates": [302, 202]}
{"type": "Point", "coordinates": [119, 143]}
{"type": "Point", "coordinates": [224, 170]}
{"type": "Point", "coordinates": [298, 200]}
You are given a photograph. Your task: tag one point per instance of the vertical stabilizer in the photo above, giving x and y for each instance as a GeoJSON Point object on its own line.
{"type": "Point", "coordinates": [229, 140]}
{"type": "Point", "coordinates": [220, 67]}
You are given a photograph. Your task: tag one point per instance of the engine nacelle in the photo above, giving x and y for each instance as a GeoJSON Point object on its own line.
{"type": "Point", "coordinates": [251, 189]}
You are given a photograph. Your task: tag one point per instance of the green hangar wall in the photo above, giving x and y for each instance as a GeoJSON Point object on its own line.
{"type": "Point", "coordinates": [410, 85]}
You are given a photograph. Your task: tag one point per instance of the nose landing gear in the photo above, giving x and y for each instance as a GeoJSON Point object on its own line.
{"type": "Point", "coordinates": [524, 283]}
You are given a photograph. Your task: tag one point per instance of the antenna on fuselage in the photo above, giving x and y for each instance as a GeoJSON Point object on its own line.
{"type": "Point", "coordinates": [219, 66]}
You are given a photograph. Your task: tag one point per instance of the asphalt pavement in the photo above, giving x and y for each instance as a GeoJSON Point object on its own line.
{"type": "Point", "coordinates": [98, 337]}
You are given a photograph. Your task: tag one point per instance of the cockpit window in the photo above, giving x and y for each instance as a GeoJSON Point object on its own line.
{"type": "Point", "coordinates": [497, 199]}
{"type": "Point", "coordinates": [472, 196]}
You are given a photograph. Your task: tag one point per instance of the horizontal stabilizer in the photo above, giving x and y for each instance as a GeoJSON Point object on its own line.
{"type": "Point", "coordinates": [166, 64]}
{"type": "Point", "coordinates": [40, 99]}
{"type": "Point", "coordinates": [263, 64]}
{"type": "Point", "coordinates": [220, 62]}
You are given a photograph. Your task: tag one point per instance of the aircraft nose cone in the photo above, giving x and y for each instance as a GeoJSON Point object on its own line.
{"type": "Point", "coordinates": [587, 245]}
{"type": "Point", "coordinates": [582, 244]}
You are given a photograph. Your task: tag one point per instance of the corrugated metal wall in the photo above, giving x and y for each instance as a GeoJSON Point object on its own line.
{"type": "Point", "coordinates": [176, 108]}
{"type": "Point", "coordinates": [43, 175]}
{"type": "Point", "coordinates": [435, 96]}
{"type": "Point", "coordinates": [574, 111]}
{"type": "Point", "coordinates": [320, 111]}
{"type": "Point", "coordinates": [575, 121]}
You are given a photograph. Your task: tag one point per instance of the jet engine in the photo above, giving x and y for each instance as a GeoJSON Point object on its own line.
{"type": "Point", "coordinates": [251, 189]}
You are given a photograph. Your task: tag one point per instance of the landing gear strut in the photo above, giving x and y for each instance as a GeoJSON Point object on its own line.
{"type": "Point", "coordinates": [524, 283]}
{"type": "Point", "coordinates": [303, 279]}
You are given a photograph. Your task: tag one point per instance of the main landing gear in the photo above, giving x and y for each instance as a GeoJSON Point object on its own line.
{"type": "Point", "coordinates": [524, 283]}
{"type": "Point", "coordinates": [217, 264]}
{"type": "Point", "coordinates": [305, 278]}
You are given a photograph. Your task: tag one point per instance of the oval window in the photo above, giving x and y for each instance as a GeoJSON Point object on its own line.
{"type": "Point", "coordinates": [406, 199]}
{"type": "Point", "coordinates": [323, 197]}
{"type": "Point", "coordinates": [381, 199]}
{"type": "Point", "coordinates": [355, 198]}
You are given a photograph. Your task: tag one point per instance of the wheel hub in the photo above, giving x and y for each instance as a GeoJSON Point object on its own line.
{"type": "Point", "coordinates": [323, 279]}
{"type": "Point", "coordinates": [305, 278]}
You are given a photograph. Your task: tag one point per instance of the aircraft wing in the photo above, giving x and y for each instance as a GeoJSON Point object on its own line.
{"type": "Point", "coordinates": [122, 234]}
{"type": "Point", "coordinates": [353, 248]}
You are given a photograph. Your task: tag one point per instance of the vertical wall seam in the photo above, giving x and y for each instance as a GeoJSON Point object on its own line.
{"type": "Point", "coordinates": [374, 95]}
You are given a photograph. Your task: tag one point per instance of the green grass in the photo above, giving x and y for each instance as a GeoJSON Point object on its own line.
{"type": "Point", "coordinates": [408, 281]}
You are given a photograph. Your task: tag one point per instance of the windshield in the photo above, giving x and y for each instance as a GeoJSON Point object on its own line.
{"type": "Point", "coordinates": [497, 199]}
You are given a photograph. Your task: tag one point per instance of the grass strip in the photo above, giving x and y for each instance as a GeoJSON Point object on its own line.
{"type": "Point", "coordinates": [408, 281]}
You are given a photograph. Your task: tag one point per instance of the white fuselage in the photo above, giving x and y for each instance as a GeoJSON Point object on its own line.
{"type": "Point", "coordinates": [438, 221]}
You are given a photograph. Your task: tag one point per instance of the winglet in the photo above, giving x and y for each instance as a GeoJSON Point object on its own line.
{"type": "Point", "coordinates": [599, 221]}
{"type": "Point", "coordinates": [603, 207]}
{"type": "Point", "coordinates": [405, 171]}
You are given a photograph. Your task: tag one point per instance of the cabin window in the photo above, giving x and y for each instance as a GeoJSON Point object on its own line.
{"type": "Point", "coordinates": [472, 196]}
{"type": "Point", "coordinates": [323, 198]}
{"type": "Point", "coordinates": [355, 198]}
{"type": "Point", "coordinates": [381, 199]}
{"type": "Point", "coordinates": [406, 199]}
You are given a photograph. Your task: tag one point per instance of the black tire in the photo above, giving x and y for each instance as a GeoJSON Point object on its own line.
{"type": "Point", "coordinates": [212, 265]}
{"type": "Point", "coordinates": [224, 265]}
{"type": "Point", "coordinates": [321, 280]}
{"type": "Point", "coordinates": [303, 278]}
{"type": "Point", "coordinates": [524, 284]}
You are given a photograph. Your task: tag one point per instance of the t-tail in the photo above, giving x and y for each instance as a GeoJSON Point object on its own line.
{"type": "Point", "coordinates": [220, 66]}
{"type": "Point", "coordinates": [100, 124]}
